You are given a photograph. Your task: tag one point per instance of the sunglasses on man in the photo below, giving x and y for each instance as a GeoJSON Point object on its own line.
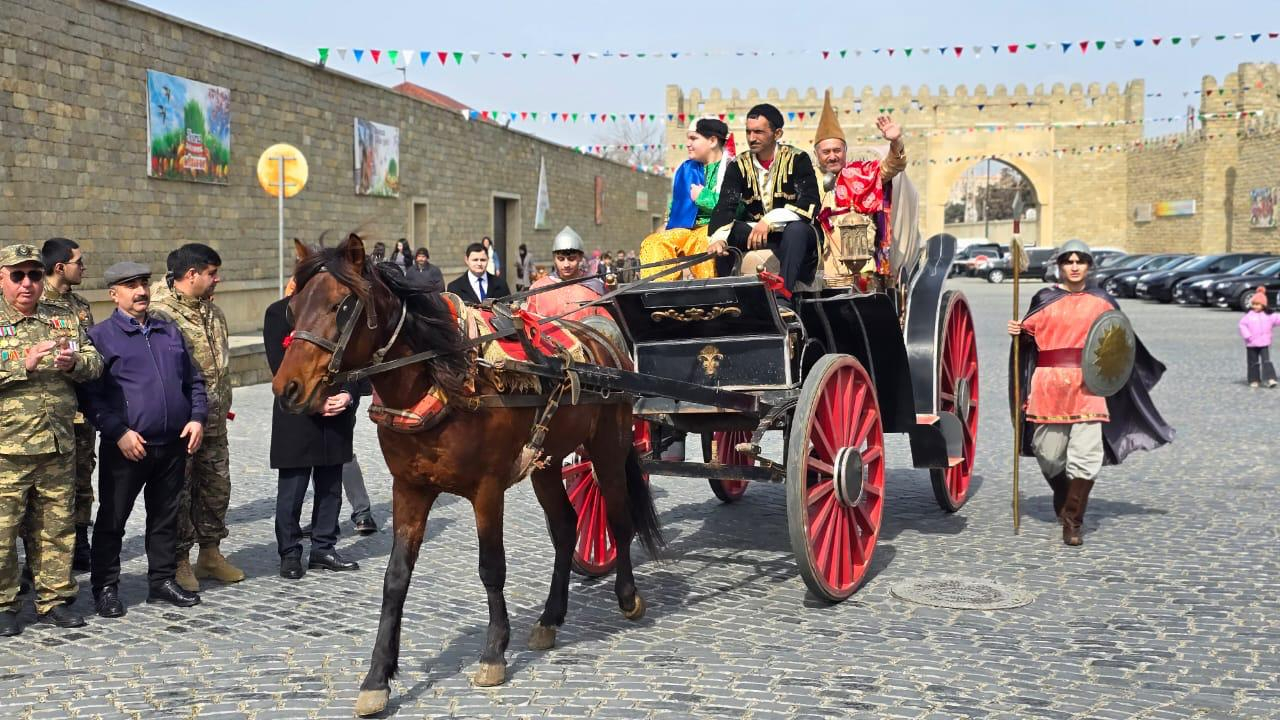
{"type": "Point", "coordinates": [35, 276]}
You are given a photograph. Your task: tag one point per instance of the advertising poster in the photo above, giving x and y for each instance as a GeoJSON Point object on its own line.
{"type": "Point", "coordinates": [377, 168]}
{"type": "Point", "coordinates": [1262, 208]}
{"type": "Point", "coordinates": [188, 129]}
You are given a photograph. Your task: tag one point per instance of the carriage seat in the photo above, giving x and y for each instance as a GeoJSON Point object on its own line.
{"type": "Point", "coordinates": [753, 259]}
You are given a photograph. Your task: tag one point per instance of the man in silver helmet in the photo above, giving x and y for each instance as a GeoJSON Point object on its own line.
{"type": "Point", "coordinates": [569, 265]}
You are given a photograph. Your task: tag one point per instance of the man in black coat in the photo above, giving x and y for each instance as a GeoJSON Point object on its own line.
{"type": "Point", "coordinates": [476, 285]}
{"type": "Point", "coordinates": [308, 448]}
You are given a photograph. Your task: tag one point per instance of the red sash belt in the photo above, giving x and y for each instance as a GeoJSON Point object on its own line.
{"type": "Point", "coordinates": [1065, 357]}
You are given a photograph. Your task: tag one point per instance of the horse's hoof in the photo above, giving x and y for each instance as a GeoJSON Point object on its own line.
{"type": "Point", "coordinates": [490, 674]}
{"type": "Point", "coordinates": [371, 702]}
{"type": "Point", "coordinates": [542, 637]}
{"type": "Point", "coordinates": [637, 611]}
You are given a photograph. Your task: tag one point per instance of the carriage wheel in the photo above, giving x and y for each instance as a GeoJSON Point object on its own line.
{"type": "Point", "coordinates": [957, 393]}
{"type": "Point", "coordinates": [595, 555]}
{"type": "Point", "coordinates": [835, 477]}
{"type": "Point", "coordinates": [724, 444]}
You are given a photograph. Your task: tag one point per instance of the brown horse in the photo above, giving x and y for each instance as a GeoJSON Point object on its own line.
{"type": "Point", "coordinates": [471, 453]}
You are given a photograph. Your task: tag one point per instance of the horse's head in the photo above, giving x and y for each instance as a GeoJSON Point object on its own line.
{"type": "Point", "coordinates": [334, 324]}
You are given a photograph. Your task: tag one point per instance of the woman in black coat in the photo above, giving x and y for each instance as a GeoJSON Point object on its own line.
{"type": "Point", "coordinates": [306, 448]}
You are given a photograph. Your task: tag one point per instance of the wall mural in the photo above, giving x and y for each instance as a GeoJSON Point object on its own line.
{"type": "Point", "coordinates": [377, 170]}
{"type": "Point", "coordinates": [188, 129]}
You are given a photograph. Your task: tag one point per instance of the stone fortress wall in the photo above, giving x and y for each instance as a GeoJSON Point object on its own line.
{"type": "Point", "coordinates": [1085, 153]}
{"type": "Point", "coordinates": [73, 156]}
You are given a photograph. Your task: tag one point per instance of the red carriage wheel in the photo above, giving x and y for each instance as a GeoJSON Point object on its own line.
{"type": "Point", "coordinates": [595, 555]}
{"type": "Point", "coordinates": [957, 394]}
{"type": "Point", "coordinates": [835, 477]}
{"type": "Point", "coordinates": [722, 449]}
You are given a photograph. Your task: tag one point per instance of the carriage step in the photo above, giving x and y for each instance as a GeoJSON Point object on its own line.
{"type": "Point", "coordinates": [711, 471]}
{"type": "Point", "coordinates": [926, 419]}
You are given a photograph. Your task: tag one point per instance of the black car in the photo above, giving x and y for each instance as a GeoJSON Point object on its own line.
{"type": "Point", "coordinates": [1159, 285]}
{"type": "Point", "coordinates": [1235, 291]}
{"type": "Point", "coordinates": [1195, 289]}
{"type": "Point", "coordinates": [1037, 260]}
{"type": "Point", "coordinates": [966, 258]}
{"type": "Point", "coordinates": [1121, 284]}
{"type": "Point", "coordinates": [1117, 264]}
{"type": "Point", "coordinates": [1101, 259]}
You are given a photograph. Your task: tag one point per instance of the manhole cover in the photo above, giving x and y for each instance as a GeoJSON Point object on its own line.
{"type": "Point", "coordinates": [960, 593]}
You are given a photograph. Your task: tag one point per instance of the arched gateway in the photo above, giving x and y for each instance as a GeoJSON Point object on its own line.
{"type": "Point", "coordinates": [1045, 134]}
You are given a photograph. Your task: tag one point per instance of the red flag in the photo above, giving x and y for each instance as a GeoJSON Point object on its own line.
{"type": "Point", "coordinates": [506, 55]}
{"type": "Point", "coordinates": [800, 114]}
{"type": "Point", "coordinates": [524, 114]}
{"type": "Point", "coordinates": [444, 56]}
{"type": "Point", "coordinates": [1013, 49]}
{"type": "Point", "coordinates": [721, 117]}
{"type": "Point", "coordinates": [958, 50]}
{"type": "Point", "coordinates": [825, 54]}
{"type": "Point", "coordinates": [1084, 45]}
{"type": "Point", "coordinates": [575, 57]}
{"type": "Point", "coordinates": [680, 117]}
{"type": "Point", "coordinates": [890, 52]}
{"type": "Point", "coordinates": [375, 54]}
{"type": "Point", "coordinates": [1155, 40]}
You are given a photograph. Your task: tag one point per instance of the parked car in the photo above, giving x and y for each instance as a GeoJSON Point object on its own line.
{"type": "Point", "coordinates": [1102, 258]}
{"type": "Point", "coordinates": [1235, 291]}
{"type": "Point", "coordinates": [1195, 289]}
{"type": "Point", "coordinates": [1037, 258]}
{"type": "Point", "coordinates": [1158, 286]}
{"type": "Point", "coordinates": [1121, 284]}
{"type": "Point", "coordinates": [1114, 264]}
{"type": "Point", "coordinates": [970, 255]}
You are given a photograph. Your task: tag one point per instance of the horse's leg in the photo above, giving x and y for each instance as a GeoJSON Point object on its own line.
{"type": "Point", "coordinates": [608, 449]}
{"type": "Point", "coordinates": [562, 521]}
{"type": "Point", "coordinates": [487, 505]}
{"type": "Point", "coordinates": [410, 506]}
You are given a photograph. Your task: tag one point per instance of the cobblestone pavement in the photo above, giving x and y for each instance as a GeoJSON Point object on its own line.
{"type": "Point", "coordinates": [1169, 610]}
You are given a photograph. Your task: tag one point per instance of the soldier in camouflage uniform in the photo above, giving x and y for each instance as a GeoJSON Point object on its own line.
{"type": "Point", "coordinates": [63, 270]}
{"type": "Point", "coordinates": [43, 352]}
{"type": "Point", "coordinates": [186, 299]}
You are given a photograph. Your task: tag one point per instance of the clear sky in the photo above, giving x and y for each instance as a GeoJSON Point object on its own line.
{"type": "Point", "coordinates": [624, 86]}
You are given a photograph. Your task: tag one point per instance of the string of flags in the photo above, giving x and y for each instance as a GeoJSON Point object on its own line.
{"type": "Point", "coordinates": [455, 57]}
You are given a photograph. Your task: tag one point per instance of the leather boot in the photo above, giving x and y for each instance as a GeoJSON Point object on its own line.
{"type": "Point", "coordinates": [184, 576]}
{"type": "Point", "coordinates": [1073, 511]}
{"type": "Point", "coordinates": [1058, 483]}
{"type": "Point", "coordinates": [80, 560]}
{"type": "Point", "coordinates": [212, 564]}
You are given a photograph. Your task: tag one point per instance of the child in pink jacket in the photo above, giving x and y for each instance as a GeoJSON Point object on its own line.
{"type": "Point", "coordinates": [1255, 328]}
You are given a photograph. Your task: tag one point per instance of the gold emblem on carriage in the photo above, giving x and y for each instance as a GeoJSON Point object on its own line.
{"type": "Point", "coordinates": [697, 314]}
{"type": "Point", "coordinates": [710, 358]}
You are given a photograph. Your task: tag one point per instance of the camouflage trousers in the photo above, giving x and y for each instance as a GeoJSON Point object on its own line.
{"type": "Point", "coordinates": [202, 508]}
{"type": "Point", "coordinates": [42, 486]}
{"type": "Point", "coordinates": [86, 438]}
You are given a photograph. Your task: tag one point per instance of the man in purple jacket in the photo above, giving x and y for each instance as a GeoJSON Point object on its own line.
{"type": "Point", "coordinates": [150, 407]}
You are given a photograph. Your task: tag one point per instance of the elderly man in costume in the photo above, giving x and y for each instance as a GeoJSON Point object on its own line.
{"type": "Point", "coordinates": [1075, 431]}
{"type": "Point", "coordinates": [695, 190]}
{"type": "Point", "coordinates": [569, 260]}
{"type": "Point", "coordinates": [769, 198]}
{"type": "Point", "coordinates": [855, 217]}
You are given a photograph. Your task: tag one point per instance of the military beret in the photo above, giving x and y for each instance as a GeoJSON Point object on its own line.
{"type": "Point", "coordinates": [18, 254]}
{"type": "Point", "coordinates": [125, 271]}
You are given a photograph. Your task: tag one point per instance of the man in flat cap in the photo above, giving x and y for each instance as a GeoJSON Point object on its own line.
{"type": "Point", "coordinates": [43, 352]}
{"type": "Point", "coordinates": [150, 407]}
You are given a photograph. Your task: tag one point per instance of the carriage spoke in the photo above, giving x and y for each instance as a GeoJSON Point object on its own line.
{"type": "Point", "coordinates": [822, 467]}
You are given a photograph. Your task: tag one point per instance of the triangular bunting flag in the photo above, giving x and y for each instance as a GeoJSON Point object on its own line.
{"type": "Point", "coordinates": [1219, 37]}
{"type": "Point", "coordinates": [826, 54]}
{"type": "Point", "coordinates": [907, 51]}
{"type": "Point", "coordinates": [995, 49]}
{"type": "Point", "coordinates": [376, 55]}
{"type": "Point", "coordinates": [958, 50]}
{"type": "Point", "coordinates": [575, 57]}
{"type": "Point", "coordinates": [1137, 42]}
{"type": "Point", "coordinates": [358, 53]}
{"type": "Point", "coordinates": [1013, 49]}
{"type": "Point", "coordinates": [342, 53]}
{"type": "Point", "coordinates": [423, 55]}
{"type": "Point", "coordinates": [475, 57]}
{"type": "Point", "coordinates": [977, 50]}
{"type": "Point", "coordinates": [1175, 40]}
{"type": "Point", "coordinates": [791, 116]}
{"type": "Point", "coordinates": [443, 56]}
{"type": "Point", "coordinates": [731, 116]}
{"type": "Point", "coordinates": [524, 56]}
{"type": "Point", "coordinates": [799, 115]}
{"type": "Point", "coordinates": [1100, 44]}
{"type": "Point", "coordinates": [1273, 35]}
{"type": "Point", "coordinates": [1084, 45]}
{"type": "Point", "coordinates": [533, 115]}
{"type": "Point", "coordinates": [632, 117]}
{"type": "Point", "coordinates": [1193, 40]}
{"type": "Point", "coordinates": [575, 116]}
{"type": "Point", "coordinates": [1118, 43]}
{"type": "Point", "coordinates": [1066, 46]}
{"type": "Point", "coordinates": [981, 108]}
{"type": "Point", "coordinates": [554, 116]}
{"type": "Point", "coordinates": [593, 117]}
{"type": "Point", "coordinates": [843, 53]}
{"type": "Point", "coordinates": [392, 56]}
{"type": "Point", "coordinates": [1156, 41]}
{"type": "Point", "coordinates": [324, 55]}
{"type": "Point", "coordinates": [457, 58]}
{"type": "Point", "coordinates": [924, 51]}
{"type": "Point", "coordinates": [721, 116]}
{"type": "Point", "coordinates": [506, 56]}
{"type": "Point", "coordinates": [890, 52]}
{"type": "Point", "coordinates": [875, 51]}
{"type": "Point", "coordinates": [524, 114]}
{"type": "Point", "coordinates": [1031, 46]}
{"type": "Point", "coordinates": [1254, 37]}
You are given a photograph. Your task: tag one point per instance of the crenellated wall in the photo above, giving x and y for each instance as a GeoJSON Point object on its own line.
{"type": "Point", "coordinates": [1081, 147]}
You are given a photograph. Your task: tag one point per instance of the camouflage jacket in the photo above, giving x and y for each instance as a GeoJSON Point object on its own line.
{"type": "Point", "coordinates": [36, 408]}
{"type": "Point", "coordinates": [71, 302]}
{"type": "Point", "coordinates": [205, 328]}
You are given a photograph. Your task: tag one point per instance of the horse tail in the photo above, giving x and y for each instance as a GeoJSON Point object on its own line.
{"type": "Point", "coordinates": [644, 516]}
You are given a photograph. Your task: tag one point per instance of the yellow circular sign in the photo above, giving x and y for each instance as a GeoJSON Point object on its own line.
{"type": "Point", "coordinates": [295, 170]}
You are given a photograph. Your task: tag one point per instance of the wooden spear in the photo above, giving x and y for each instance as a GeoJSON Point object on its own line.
{"type": "Point", "coordinates": [1018, 262]}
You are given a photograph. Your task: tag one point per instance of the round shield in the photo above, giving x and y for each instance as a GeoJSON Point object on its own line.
{"type": "Point", "coordinates": [1107, 360]}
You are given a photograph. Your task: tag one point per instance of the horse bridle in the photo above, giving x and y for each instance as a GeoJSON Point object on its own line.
{"type": "Point", "coordinates": [346, 328]}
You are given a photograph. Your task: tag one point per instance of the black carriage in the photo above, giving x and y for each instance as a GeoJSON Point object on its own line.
{"type": "Point", "coordinates": [717, 358]}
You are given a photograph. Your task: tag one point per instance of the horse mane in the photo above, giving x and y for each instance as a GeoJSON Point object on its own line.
{"type": "Point", "coordinates": [429, 323]}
